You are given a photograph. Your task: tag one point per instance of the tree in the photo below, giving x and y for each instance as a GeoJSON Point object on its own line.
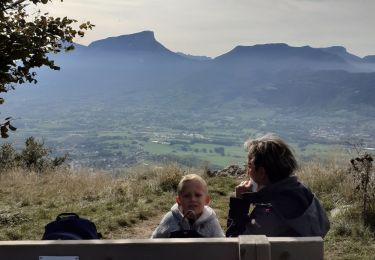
{"type": "Point", "coordinates": [26, 39]}
{"type": "Point", "coordinates": [8, 156]}
{"type": "Point", "coordinates": [34, 157]}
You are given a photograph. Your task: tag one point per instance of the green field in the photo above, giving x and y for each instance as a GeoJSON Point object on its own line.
{"type": "Point", "coordinates": [102, 138]}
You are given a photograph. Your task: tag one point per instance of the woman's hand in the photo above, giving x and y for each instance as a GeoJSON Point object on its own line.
{"type": "Point", "coordinates": [244, 186]}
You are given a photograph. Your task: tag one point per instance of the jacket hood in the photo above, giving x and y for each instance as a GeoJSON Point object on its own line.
{"type": "Point", "coordinates": [313, 222]}
{"type": "Point", "coordinates": [296, 204]}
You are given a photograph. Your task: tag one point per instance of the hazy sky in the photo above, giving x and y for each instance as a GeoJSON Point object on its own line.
{"type": "Point", "coordinates": [213, 27]}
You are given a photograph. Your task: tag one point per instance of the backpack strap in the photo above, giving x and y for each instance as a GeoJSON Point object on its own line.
{"type": "Point", "coordinates": [67, 215]}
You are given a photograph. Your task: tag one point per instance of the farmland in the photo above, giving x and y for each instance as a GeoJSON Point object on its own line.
{"type": "Point", "coordinates": [107, 139]}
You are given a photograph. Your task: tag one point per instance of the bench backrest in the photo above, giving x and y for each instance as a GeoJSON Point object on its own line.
{"type": "Point", "coordinates": [241, 248]}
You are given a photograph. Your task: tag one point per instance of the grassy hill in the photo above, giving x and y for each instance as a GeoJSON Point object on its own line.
{"type": "Point", "coordinates": [130, 204]}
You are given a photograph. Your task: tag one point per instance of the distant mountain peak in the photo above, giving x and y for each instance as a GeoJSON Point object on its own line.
{"type": "Point", "coordinates": [280, 51]}
{"type": "Point", "coordinates": [342, 53]}
{"type": "Point", "coordinates": [142, 41]}
{"type": "Point", "coordinates": [339, 49]}
{"type": "Point", "coordinates": [267, 46]}
{"type": "Point", "coordinates": [140, 36]}
{"type": "Point", "coordinates": [259, 49]}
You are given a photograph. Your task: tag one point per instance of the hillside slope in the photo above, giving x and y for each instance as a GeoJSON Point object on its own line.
{"type": "Point", "coordinates": [131, 204]}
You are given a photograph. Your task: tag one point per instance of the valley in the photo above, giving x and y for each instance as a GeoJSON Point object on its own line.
{"type": "Point", "coordinates": [128, 100]}
{"type": "Point", "coordinates": [138, 136]}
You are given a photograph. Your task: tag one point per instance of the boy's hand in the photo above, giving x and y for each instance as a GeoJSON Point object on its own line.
{"type": "Point", "coordinates": [244, 186]}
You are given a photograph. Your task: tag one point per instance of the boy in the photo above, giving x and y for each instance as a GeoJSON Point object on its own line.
{"type": "Point", "coordinates": [190, 216]}
{"type": "Point", "coordinates": [282, 206]}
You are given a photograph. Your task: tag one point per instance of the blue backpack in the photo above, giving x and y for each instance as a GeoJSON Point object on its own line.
{"type": "Point", "coordinates": [69, 226]}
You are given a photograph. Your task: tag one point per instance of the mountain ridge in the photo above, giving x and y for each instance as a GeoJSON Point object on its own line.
{"type": "Point", "coordinates": [138, 62]}
{"type": "Point", "coordinates": [280, 50]}
{"type": "Point", "coordinates": [146, 41]}
{"type": "Point", "coordinates": [134, 84]}
{"type": "Point", "coordinates": [144, 47]}
{"type": "Point", "coordinates": [143, 42]}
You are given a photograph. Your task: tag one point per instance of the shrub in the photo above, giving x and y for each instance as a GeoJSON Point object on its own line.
{"type": "Point", "coordinates": [33, 157]}
{"type": "Point", "coordinates": [169, 177]}
{"type": "Point", "coordinates": [363, 174]}
{"type": "Point", "coordinates": [7, 157]}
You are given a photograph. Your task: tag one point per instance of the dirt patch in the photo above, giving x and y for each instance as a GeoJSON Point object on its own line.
{"type": "Point", "coordinates": [146, 227]}
{"type": "Point", "coordinates": [140, 230]}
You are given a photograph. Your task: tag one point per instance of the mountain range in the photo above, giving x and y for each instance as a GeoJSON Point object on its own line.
{"type": "Point", "coordinates": [284, 75]}
{"type": "Point", "coordinates": [135, 75]}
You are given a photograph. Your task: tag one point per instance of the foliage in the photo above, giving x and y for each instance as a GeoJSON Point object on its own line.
{"type": "Point", "coordinates": [34, 157]}
{"type": "Point", "coordinates": [8, 157]}
{"type": "Point", "coordinates": [362, 170]}
{"type": "Point", "coordinates": [6, 126]}
{"type": "Point", "coordinates": [169, 178]}
{"type": "Point", "coordinates": [26, 39]}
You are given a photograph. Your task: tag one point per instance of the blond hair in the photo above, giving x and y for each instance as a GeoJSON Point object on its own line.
{"type": "Point", "coordinates": [191, 177]}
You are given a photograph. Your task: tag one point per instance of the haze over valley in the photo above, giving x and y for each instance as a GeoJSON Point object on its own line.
{"type": "Point", "coordinates": [127, 100]}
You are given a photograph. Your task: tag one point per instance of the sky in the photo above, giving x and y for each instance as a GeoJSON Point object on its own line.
{"type": "Point", "coordinates": [214, 27]}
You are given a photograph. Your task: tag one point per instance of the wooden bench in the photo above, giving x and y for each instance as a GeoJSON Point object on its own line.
{"type": "Point", "coordinates": [241, 248]}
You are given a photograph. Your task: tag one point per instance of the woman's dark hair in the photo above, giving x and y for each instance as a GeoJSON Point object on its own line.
{"type": "Point", "coordinates": [273, 154]}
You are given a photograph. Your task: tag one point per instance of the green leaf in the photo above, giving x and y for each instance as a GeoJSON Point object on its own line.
{"type": "Point", "coordinates": [70, 48]}
{"type": "Point", "coordinates": [30, 39]}
{"type": "Point", "coordinates": [12, 127]}
{"type": "Point", "coordinates": [4, 129]}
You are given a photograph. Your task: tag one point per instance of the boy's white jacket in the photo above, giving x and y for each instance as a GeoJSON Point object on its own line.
{"type": "Point", "coordinates": [207, 224]}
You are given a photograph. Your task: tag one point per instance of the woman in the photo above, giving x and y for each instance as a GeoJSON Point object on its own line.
{"type": "Point", "coordinates": [282, 206]}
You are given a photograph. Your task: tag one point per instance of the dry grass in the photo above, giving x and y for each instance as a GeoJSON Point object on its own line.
{"type": "Point", "coordinates": [327, 182]}
{"type": "Point", "coordinates": [59, 187]}
{"type": "Point", "coordinates": [115, 203]}
{"type": "Point", "coordinates": [336, 189]}
{"type": "Point", "coordinates": [130, 204]}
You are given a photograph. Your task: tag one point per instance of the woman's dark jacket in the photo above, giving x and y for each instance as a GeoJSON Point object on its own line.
{"type": "Point", "coordinates": [284, 208]}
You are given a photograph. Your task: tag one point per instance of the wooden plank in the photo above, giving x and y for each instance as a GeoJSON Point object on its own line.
{"type": "Point", "coordinates": [254, 248]}
{"type": "Point", "coordinates": [295, 248]}
{"type": "Point", "coordinates": [181, 249]}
